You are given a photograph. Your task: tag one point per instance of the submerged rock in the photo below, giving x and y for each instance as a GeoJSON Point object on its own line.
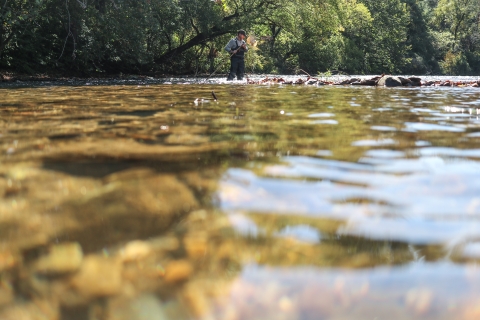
{"type": "Point", "coordinates": [6, 291]}
{"type": "Point", "coordinates": [186, 139]}
{"type": "Point", "coordinates": [62, 258]}
{"type": "Point", "coordinates": [144, 307]}
{"type": "Point", "coordinates": [108, 149]}
{"type": "Point", "coordinates": [35, 310]}
{"type": "Point", "coordinates": [7, 260]}
{"type": "Point", "coordinates": [178, 270]}
{"type": "Point", "coordinates": [132, 209]}
{"type": "Point", "coordinates": [136, 250]}
{"type": "Point", "coordinates": [419, 300]}
{"type": "Point", "coordinates": [99, 277]}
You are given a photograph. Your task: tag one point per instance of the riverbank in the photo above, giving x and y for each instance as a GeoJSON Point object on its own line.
{"type": "Point", "coordinates": [379, 81]}
{"type": "Point", "coordinates": [11, 77]}
{"type": "Point", "coordinates": [9, 80]}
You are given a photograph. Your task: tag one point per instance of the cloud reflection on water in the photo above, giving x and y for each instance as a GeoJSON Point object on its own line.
{"type": "Point", "coordinates": [424, 200]}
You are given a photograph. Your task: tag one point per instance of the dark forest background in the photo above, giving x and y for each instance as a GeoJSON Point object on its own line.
{"type": "Point", "coordinates": [94, 37]}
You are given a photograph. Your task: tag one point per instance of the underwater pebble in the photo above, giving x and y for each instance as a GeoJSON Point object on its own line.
{"type": "Point", "coordinates": [472, 312]}
{"type": "Point", "coordinates": [165, 243]}
{"type": "Point", "coordinates": [178, 270]}
{"type": "Point", "coordinates": [136, 250]}
{"type": "Point", "coordinates": [7, 260]}
{"type": "Point", "coordinates": [196, 245]}
{"type": "Point", "coordinates": [194, 297]}
{"type": "Point", "coordinates": [99, 276]}
{"type": "Point", "coordinates": [144, 307]}
{"type": "Point", "coordinates": [285, 304]}
{"type": "Point", "coordinates": [6, 293]}
{"type": "Point", "coordinates": [62, 258]}
{"type": "Point", "coordinates": [197, 215]}
{"type": "Point", "coordinates": [36, 310]}
{"type": "Point", "coordinates": [419, 300]}
{"type": "Point", "coordinates": [186, 139]}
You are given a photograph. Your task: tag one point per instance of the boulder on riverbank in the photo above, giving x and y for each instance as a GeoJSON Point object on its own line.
{"type": "Point", "coordinates": [389, 81]}
{"type": "Point", "coordinates": [378, 81]}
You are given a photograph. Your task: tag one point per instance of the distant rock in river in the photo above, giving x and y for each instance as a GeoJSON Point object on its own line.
{"type": "Point", "coordinates": [389, 81]}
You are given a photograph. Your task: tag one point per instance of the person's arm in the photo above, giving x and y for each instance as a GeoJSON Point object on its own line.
{"type": "Point", "coordinates": [245, 48]}
{"type": "Point", "coordinates": [230, 46]}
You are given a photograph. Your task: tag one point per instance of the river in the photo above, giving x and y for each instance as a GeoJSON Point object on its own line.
{"type": "Point", "coordinates": [147, 200]}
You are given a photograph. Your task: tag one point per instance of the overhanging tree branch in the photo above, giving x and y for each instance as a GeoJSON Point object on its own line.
{"type": "Point", "coordinates": [197, 40]}
{"type": "Point", "coordinates": [213, 32]}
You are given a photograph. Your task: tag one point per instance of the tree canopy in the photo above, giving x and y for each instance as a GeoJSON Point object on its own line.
{"type": "Point", "coordinates": [87, 37]}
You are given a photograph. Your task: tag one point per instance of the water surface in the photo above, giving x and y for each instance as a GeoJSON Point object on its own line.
{"type": "Point", "coordinates": [154, 201]}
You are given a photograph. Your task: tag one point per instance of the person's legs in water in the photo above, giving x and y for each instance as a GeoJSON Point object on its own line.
{"type": "Point", "coordinates": [233, 69]}
{"type": "Point", "coordinates": [241, 69]}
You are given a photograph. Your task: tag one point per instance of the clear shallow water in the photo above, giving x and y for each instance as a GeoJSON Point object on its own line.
{"type": "Point", "coordinates": [274, 202]}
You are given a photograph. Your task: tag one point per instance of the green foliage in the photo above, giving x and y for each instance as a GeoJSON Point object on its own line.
{"type": "Point", "coordinates": [357, 26]}
{"type": "Point", "coordinates": [455, 64]}
{"type": "Point", "coordinates": [420, 40]}
{"type": "Point", "coordinates": [459, 16]}
{"type": "Point", "coordinates": [386, 42]}
{"type": "Point", "coordinates": [473, 59]}
{"type": "Point", "coordinates": [254, 61]}
{"type": "Point", "coordinates": [456, 25]}
{"type": "Point", "coordinates": [188, 36]}
{"type": "Point", "coordinates": [443, 42]}
{"type": "Point", "coordinates": [18, 25]}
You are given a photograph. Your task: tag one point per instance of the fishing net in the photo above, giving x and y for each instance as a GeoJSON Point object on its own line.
{"type": "Point", "coordinates": [252, 41]}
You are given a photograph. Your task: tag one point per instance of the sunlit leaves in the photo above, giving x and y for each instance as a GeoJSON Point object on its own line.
{"type": "Point", "coordinates": [460, 16]}
{"type": "Point", "coordinates": [356, 36]}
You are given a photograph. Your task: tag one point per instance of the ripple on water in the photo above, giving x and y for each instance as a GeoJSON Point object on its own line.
{"type": "Point", "coordinates": [244, 225]}
{"type": "Point", "coordinates": [373, 143]}
{"type": "Point", "coordinates": [451, 152]}
{"type": "Point", "coordinates": [384, 153]}
{"type": "Point", "coordinates": [357, 294]}
{"type": "Point", "coordinates": [305, 233]}
{"type": "Point", "coordinates": [422, 143]}
{"type": "Point", "coordinates": [324, 153]}
{"type": "Point", "coordinates": [471, 250]}
{"type": "Point", "coordinates": [321, 115]}
{"type": "Point", "coordinates": [431, 202]}
{"type": "Point", "coordinates": [378, 215]}
{"type": "Point", "coordinates": [324, 122]}
{"type": "Point", "coordinates": [421, 126]}
{"type": "Point", "coordinates": [383, 128]}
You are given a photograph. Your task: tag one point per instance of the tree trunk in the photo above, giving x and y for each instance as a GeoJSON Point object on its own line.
{"type": "Point", "coordinates": [198, 39]}
{"type": "Point", "coordinates": [100, 6]}
{"type": "Point", "coordinates": [211, 57]}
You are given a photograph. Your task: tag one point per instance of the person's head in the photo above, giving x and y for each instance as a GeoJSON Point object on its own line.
{"type": "Point", "coordinates": [241, 34]}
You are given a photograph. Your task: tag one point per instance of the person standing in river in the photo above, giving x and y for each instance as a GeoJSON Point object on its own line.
{"type": "Point", "coordinates": [237, 48]}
